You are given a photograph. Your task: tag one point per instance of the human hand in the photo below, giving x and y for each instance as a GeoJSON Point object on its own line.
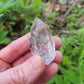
{"type": "Point", "coordinates": [19, 66]}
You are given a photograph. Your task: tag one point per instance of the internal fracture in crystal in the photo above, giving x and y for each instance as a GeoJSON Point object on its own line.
{"type": "Point", "coordinates": [41, 41]}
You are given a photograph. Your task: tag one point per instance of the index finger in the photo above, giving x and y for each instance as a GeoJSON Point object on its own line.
{"type": "Point", "coordinates": [15, 49]}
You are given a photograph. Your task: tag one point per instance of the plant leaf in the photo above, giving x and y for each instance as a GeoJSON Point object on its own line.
{"type": "Point", "coordinates": [52, 15]}
{"type": "Point", "coordinates": [1, 15]}
{"type": "Point", "coordinates": [3, 34]}
{"type": "Point", "coordinates": [5, 40]}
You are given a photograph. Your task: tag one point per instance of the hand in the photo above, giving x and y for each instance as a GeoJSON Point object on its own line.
{"type": "Point", "coordinates": [18, 66]}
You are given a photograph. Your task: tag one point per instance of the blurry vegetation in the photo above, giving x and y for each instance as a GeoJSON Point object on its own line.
{"type": "Point", "coordinates": [3, 36]}
{"type": "Point", "coordinates": [17, 16]}
{"type": "Point", "coordinates": [71, 70]}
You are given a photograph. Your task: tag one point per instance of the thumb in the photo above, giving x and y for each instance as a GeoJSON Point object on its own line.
{"type": "Point", "coordinates": [26, 73]}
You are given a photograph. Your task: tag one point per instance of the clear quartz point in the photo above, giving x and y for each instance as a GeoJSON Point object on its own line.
{"type": "Point", "coordinates": [41, 41]}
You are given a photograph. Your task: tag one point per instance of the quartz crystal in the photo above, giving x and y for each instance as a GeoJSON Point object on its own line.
{"type": "Point", "coordinates": [41, 41]}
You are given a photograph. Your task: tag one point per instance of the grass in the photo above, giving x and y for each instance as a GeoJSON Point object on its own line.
{"type": "Point", "coordinates": [13, 12]}
{"type": "Point", "coordinates": [3, 37]}
{"type": "Point", "coordinates": [71, 68]}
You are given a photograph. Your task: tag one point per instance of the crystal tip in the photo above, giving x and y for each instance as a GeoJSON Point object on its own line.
{"type": "Point", "coordinates": [38, 21]}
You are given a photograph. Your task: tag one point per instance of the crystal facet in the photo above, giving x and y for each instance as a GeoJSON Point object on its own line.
{"type": "Point", "coordinates": [41, 42]}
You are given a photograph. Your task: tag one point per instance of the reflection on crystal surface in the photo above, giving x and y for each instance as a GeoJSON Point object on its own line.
{"type": "Point", "coordinates": [41, 42]}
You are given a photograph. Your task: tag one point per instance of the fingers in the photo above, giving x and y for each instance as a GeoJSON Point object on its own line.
{"type": "Point", "coordinates": [15, 49]}
{"type": "Point", "coordinates": [22, 59]}
{"type": "Point", "coordinates": [19, 47]}
{"type": "Point", "coordinates": [57, 41]}
{"type": "Point", "coordinates": [58, 57]}
{"type": "Point", "coordinates": [25, 73]}
{"type": "Point", "coordinates": [4, 66]}
{"type": "Point", "coordinates": [48, 73]}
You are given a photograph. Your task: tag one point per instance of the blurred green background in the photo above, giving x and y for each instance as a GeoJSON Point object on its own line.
{"type": "Point", "coordinates": [65, 19]}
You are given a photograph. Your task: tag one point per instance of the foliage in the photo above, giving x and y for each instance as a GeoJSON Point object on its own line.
{"type": "Point", "coordinates": [4, 5]}
{"type": "Point", "coordinates": [3, 37]}
{"type": "Point", "coordinates": [20, 10]}
{"type": "Point", "coordinates": [25, 11]}
{"type": "Point", "coordinates": [71, 68]}
{"type": "Point", "coordinates": [52, 15]}
{"type": "Point", "coordinates": [73, 18]}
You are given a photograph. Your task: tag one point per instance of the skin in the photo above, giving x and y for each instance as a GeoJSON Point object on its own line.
{"type": "Point", "coordinates": [19, 66]}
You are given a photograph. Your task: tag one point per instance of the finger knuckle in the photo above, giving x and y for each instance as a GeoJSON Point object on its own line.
{"type": "Point", "coordinates": [17, 76]}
